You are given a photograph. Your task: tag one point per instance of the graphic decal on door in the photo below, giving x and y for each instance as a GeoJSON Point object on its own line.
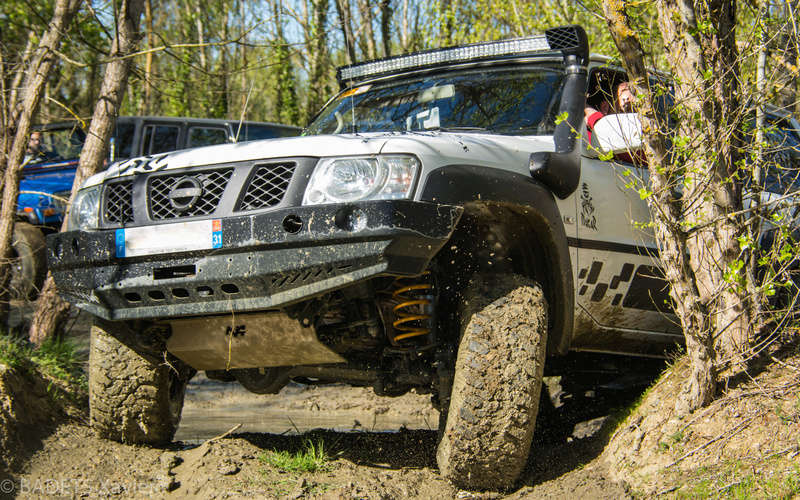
{"type": "Point", "coordinates": [588, 218]}
{"type": "Point", "coordinates": [646, 287]}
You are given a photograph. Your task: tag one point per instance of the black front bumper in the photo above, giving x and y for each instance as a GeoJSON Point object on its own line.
{"type": "Point", "coordinates": [267, 260]}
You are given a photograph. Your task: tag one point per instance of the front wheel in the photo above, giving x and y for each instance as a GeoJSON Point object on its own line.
{"type": "Point", "coordinates": [133, 399]}
{"type": "Point", "coordinates": [498, 377]}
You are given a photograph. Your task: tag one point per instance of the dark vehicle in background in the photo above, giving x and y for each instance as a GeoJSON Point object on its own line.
{"type": "Point", "coordinates": [47, 179]}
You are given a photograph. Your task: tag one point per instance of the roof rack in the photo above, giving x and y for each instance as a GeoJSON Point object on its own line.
{"type": "Point", "coordinates": [571, 40]}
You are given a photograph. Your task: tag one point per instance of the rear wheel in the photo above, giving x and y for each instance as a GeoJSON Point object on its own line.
{"type": "Point", "coordinates": [498, 378]}
{"type": "Point", "coordinates": [132, 398]}
{"type": "Point", "coordinates": [262, 380]}
{"type": "Point", "coordinates": [28, 261]}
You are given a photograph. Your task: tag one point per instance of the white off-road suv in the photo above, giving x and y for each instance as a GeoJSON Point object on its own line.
{"type": "Point", "coordinates": [440, 227]}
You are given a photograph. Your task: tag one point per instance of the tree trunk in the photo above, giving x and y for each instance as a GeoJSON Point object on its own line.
{"type": "Point", "coordinates": [709, 294]}
{"type": "Point", "coordinates": [285, 94]}
{"type": "Point", "coordinates": [405, 36]}
{"type": "Point", "coordinates": [345, 24]}
{"type": "Point", "coordinates": [386, 26]}
{"type": "Point", "coordinates": [223, 101]}
{"type": "Point", "coordinates": [318, 91]}
{"type": "Point", "coordinates": [35, 82]}
{"type": "Point", "coordinates": [51, 310]}
{"type": "Point", "coordinates": [706, 64]}
{"type": "Point", "coordinates": [242, 59]}
{"type": "Point", "coordinates": [201, 38]}
{"type": "Point", "coordinates": [16, 82]}
{"type": "Point", "coordinates": [368, 34]}
{"type": "Point", "coordinates": [446, 16]}
{"type": "Point", "coordinates": [148, 60]}
{"type": "Point", "coordinates": [5, 124]}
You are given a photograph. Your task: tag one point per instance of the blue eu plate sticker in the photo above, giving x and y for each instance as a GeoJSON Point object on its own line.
{"type": "Point", "coordinates": [120, 242]}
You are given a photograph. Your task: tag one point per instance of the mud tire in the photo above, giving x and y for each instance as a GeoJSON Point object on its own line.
{"type": "Point", "coordinates": [29, 262]}
{"type": "Point", "coordinates": [266, 381]}
{"type": "Point", "coordinates": [497, 383]}
{"type": "Point", "coordinates": [133, 399]}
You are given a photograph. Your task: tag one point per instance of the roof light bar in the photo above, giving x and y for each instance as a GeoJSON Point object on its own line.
{"type": "Point", "coordinates": [449, 55]}
{"type": "Point", "coordinates": [571, 40]}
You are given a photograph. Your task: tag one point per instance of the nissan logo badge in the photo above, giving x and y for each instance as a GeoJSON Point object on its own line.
{"type": "Point", "coordinates": [185, 193]}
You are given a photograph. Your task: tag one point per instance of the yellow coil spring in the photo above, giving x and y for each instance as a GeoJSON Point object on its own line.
{"type": "Point", "coordinates": [410, 320]}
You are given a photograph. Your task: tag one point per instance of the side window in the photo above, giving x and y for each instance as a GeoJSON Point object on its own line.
{"type": "Point", "coordinates": [123, 141]}
{"type": "Point", "coordinates": [603, 83]}
{"type": "Point", "coordinates": [608, 94]}
{"type": "Point", "coordinates": [159, 139]}
{"type": "Point", "coordinates": [206, 136]}
{"type": "Point", "coordinates": [251, 132]}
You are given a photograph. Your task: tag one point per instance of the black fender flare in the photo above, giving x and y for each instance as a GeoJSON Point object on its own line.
{"type": "Point", "coordinates": [462, 184]}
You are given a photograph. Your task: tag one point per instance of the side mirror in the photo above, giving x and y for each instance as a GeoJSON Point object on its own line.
{"type": "Point", "coordinates": [617, 133]}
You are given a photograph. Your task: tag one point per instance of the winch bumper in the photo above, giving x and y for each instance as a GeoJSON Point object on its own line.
{"type": "Point", "coordinates": [265, 261]}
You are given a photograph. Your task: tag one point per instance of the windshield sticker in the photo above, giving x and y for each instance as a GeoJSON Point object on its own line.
{"type": "Point", "coordinates": [355, 91]}
{"type": "Point", "coordinates": [427, 119]}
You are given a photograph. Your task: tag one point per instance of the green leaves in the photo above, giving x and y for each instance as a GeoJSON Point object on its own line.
{"type": "Point", "coordinates": [311, 458]}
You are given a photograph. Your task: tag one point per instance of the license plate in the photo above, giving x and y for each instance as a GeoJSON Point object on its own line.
{"type": "Point", "coordinates": [169, 238]}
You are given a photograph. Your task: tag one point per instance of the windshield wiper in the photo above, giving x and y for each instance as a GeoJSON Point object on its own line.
{"type": "Point", "coordinates": [460, 129]}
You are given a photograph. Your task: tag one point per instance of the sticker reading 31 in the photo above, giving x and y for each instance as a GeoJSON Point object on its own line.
{"type": "Point", "coordinates": [169, 238]}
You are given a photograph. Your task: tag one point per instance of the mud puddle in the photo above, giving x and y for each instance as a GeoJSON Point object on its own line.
{"type": "Point", "coordinates": [212, 408]}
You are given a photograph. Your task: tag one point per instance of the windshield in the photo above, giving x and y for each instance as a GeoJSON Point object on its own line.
{"type": "Point", "coordinates": [54, 144]}
{"type": "Point", "coordinates": [518, 102]}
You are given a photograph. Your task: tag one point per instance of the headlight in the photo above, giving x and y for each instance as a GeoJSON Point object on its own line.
{"type": "Point", "coordinates": [83, 213]}
{"type": "Point", "coordinates": [341, 180]}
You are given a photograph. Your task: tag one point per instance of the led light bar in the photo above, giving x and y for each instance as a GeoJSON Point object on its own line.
{"type": "Point", "coordinates": [570, 40]}
{"type": "Point", "coordinates": [518, 46]}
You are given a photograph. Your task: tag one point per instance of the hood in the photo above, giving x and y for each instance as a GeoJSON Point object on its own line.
{"type": "Point", "coordinates": [316, 146]}
{"type": "Point", "coordinates": [433, 148]}
{"type": "Point", "coordinates": [437, 149]}
{"type": "Point", "coordinates": [33, 190]}
{"type": "Point", "coordinates": [46, 167]}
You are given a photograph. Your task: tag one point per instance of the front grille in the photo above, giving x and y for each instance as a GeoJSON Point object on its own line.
{"type": "Point", "coordinates": [213, 184]}
{"type": "Point", "coordinates": [118, 206]}
{"type": "Point", "coordinates": [267, 186]}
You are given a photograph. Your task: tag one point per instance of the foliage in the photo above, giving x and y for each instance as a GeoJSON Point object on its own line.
{"type": "Point", "coordinates": [73, 87]}
{"type": "Point", "coordinates": [776, 478]}
{"type": "Point", "coordinates": [718, 161]}
{"type": "Point", "coordinates": [263, 59]}
{"type": "Point", "coordinates": [55, 358]}
{"type": "Point", "coordinates": [311, 458]}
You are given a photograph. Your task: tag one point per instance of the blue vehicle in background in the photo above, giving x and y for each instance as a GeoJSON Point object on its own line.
{"type": "Point", "coordinates": [47, 175]}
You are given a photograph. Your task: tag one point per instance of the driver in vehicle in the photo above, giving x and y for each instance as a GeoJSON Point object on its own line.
{"type": "Point", "coordinates": [623, 103]}
{"type": "Point", "coordinates": [34, 153]}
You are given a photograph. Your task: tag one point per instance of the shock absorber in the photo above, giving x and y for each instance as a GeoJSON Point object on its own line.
{"type": "Point", "coordinates": [414, 307]}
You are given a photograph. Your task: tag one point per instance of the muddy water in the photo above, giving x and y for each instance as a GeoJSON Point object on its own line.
{"type": "Point", "coordinates": [212, 408]}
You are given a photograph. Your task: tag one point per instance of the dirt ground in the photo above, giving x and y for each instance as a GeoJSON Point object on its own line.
{"type": "Point", "coordinates": [366, 462]}
{"type": "Point", "coordinates": [385, 447]}
{"type": "Point", "coordinates": [378, 448]}
{"type": "Point", "coordinates": [745, 444]}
